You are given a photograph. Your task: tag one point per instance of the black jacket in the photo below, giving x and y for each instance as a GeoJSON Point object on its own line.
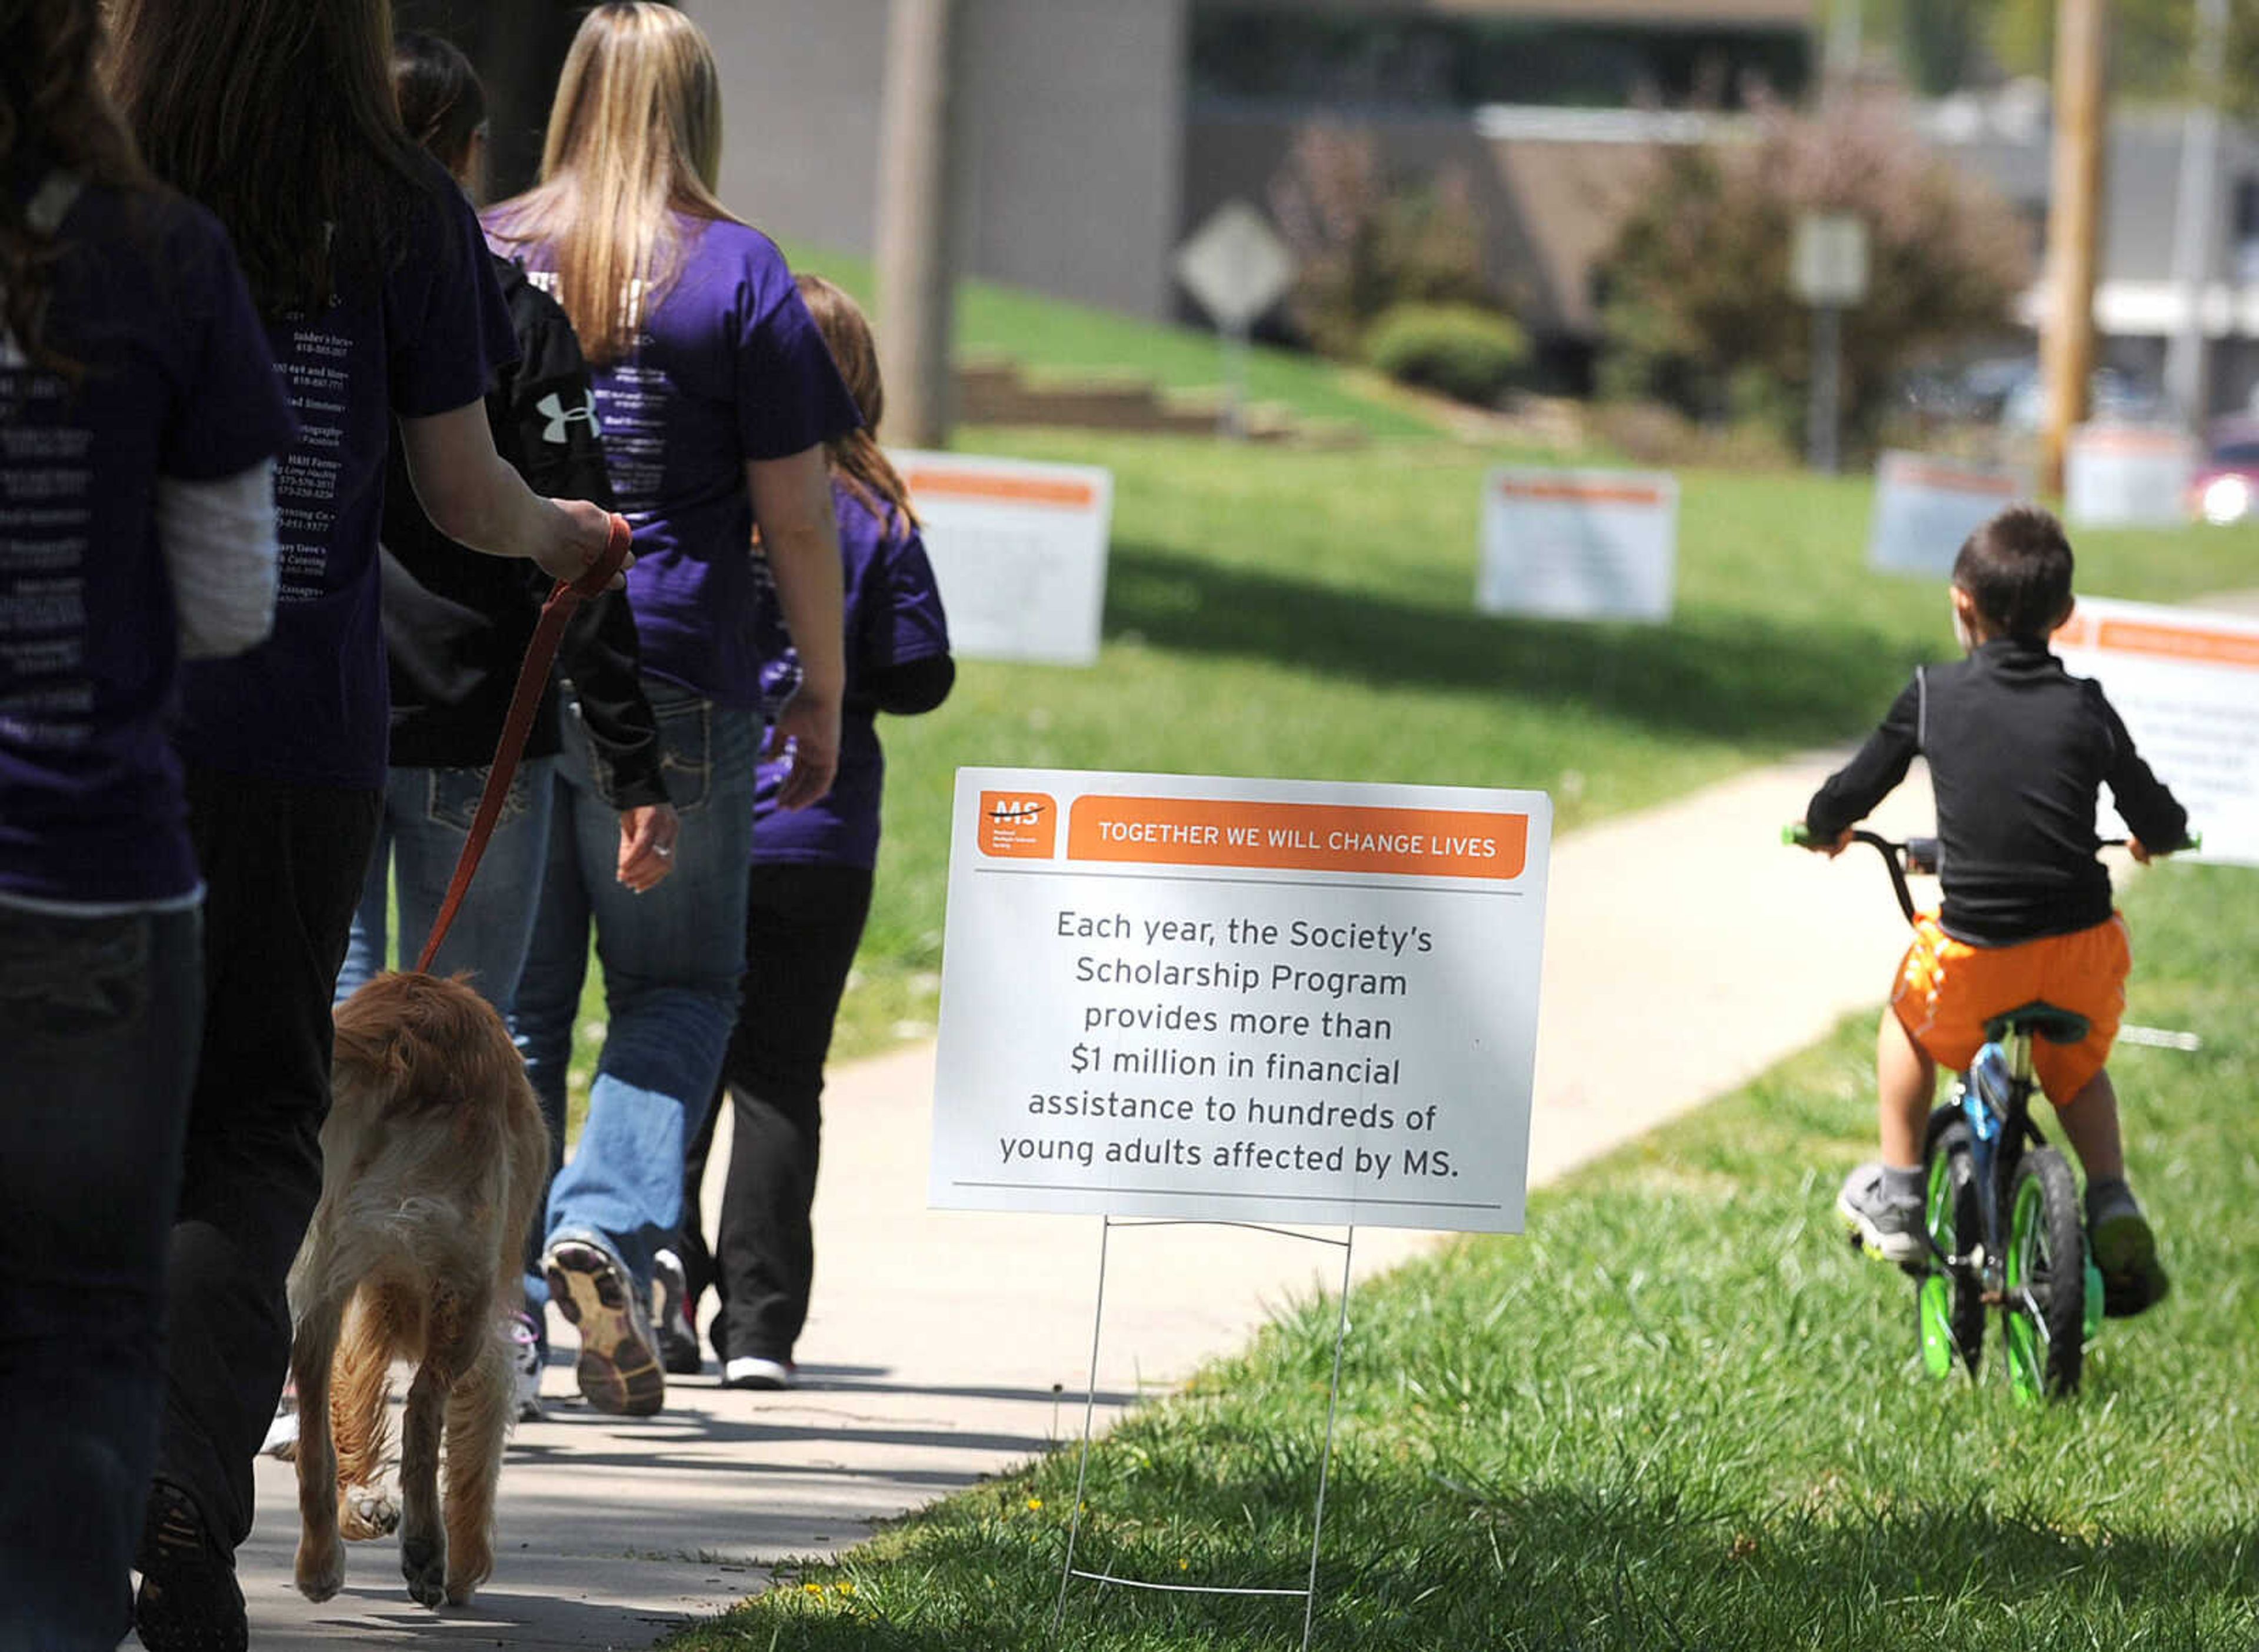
{"type": "Point", "coordinates": [2018, 748]}
{"type": "Point", "coordinates": [457, 623]}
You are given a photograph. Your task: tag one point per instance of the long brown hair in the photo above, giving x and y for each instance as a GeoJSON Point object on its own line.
{"type": "Point", "coordinates": [52, 113]}
{"type": "Point", "coordinates": [442, 104]}
{"type": "Point", "coordinates": [277, 115]}
{"type": "Point", "coordinates": [857, 460]}
{"type": "Point", "coordinates": [635, 136]}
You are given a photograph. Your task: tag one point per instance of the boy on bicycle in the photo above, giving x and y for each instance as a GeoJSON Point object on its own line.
{"type": "Point", "coordinates": [2017, 748]}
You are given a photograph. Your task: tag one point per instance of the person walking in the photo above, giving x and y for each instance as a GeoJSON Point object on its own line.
{"type": "Point", "coordinates": [456, 629]}
{"type": "Point", "coordinates": [717, 395]}
{"type": "Point", "coordinates": [139, 420]}
{"type": "Point", "coordinates": [809, 896]}
{"type": "Point", "coordinates": [380, 306]}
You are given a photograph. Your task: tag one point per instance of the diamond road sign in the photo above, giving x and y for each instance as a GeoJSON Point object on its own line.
{"type": "Point", "coordinates": [1235, 266]}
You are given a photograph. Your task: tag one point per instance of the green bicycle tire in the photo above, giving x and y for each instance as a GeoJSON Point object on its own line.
{"type": "Point", "coordinates": [2046, 1280]}
{"type": "Point", "coordinates": [1951, 1303]}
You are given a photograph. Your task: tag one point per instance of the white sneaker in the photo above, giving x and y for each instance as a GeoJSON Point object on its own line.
{"type": "Point", "coordinates": [750, 1370]}
{"type": "Point", "coordinates": [526, 1367]}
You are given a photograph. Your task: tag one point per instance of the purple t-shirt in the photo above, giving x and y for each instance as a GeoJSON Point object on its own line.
{"type": "Point", "coordinates": [313, 703]}
{"type": "Point", "coordinates": [728, 367]}
{"type": "Point", "coordinates": [894, 616]}
{"type": "Point", "coordinates": [148, 299]}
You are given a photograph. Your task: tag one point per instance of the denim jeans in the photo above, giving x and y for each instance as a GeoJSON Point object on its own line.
{"type": "Point", "coordinates": [99, 1020]}
{"type": "Point", "coordinates": [671, 960]}
{"type": "Point", "coordinates": [427, 816]}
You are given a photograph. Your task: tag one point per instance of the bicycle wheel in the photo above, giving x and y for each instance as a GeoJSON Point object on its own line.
{"type": "Point", "coordinates": [1951, 1297]}
{"type": "Point", "coordinates": [2045, 1279]}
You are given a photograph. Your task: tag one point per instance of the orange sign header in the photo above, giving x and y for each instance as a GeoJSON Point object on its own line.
{"type": "Point", "coordinates": [1060, 494]}
{"type": "Point", "coordinates": [1919, 472]}
{"type": "Point", "coordinates": [1582, 492]}
{"type": "Point", "coordinates": [2197, 644]}
{"type": "Point", "coordinates": [1403, 842]}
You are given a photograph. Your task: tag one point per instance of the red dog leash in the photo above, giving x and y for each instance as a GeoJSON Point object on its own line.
{"type": "Point", "coordinates": [532, 681]}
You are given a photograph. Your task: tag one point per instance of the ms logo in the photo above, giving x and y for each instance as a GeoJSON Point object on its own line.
{"type": "Point", "coordinates": [552, 407]}
{"type": "Point", "coordinates": [1016, 826]}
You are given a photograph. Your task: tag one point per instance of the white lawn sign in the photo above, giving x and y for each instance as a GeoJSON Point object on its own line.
{"type": "Point", "coordinates": [1580, 545]}
{"type": "Point", "coordinates": [1240, 1001]}
{"type": "Point", "coordinates": [1926, 508]}
{"type": "Point", "coordinates": [1019, 550]}
{"type": "Point", "coordinates": [2186, 682]}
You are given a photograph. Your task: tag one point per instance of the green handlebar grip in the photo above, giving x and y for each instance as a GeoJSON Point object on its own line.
{"type": "Point", "coordinates": [1797, 835]}
{"type": "Point", "coordinates": [2193, 842]}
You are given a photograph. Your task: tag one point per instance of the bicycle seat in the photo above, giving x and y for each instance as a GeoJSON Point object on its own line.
{"type": "Point", "coordinates": [2056, 1026]}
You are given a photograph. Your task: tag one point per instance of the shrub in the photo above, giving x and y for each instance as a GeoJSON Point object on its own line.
{"type": "Point", "coordinates": [1458, 349]}
{"type": "Point", "coordinates": [1699, 310]}
{"type": "Point", "coordinates": [1364, 242]}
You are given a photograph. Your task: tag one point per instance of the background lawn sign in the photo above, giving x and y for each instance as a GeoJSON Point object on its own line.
{"type": "Point", "coordinates": [2186, 682]}
{"type": "Point", "coordinates": [1582, 545]}
{"type": "Point", "coordinates": [1019, 551]}
{"type": "Point", "coordinates": [1236, 999]}
{"type": "Point", "coordinates": [1924, 508]}
{"type": "Point", "coordinates": [2128, 476]}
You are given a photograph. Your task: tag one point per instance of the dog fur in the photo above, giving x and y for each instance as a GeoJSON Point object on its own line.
{"type": "Point", "coordinates": [433, 1157]}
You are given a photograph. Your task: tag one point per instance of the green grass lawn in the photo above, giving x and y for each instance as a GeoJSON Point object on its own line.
{"type": "Point", "coordinates": [1053, 339]}
{"type": "Point", "coordinates": [1310, 615]}
{"type": "Point", "coordinates": [1680, 1412]}
{"type": "Point", "coordinates": [1298, 614]}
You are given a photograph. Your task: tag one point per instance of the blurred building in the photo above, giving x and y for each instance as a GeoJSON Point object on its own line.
{"type": "Point", "coordinates": [1098, 132]}
{"type": "Point", "coordinates": [2139, 303]}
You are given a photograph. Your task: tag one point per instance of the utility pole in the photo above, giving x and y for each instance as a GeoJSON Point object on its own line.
{"type": "Point", "coordinates": [916, 239]}
{"type": "Point", "coordinates": [2082, 33]}
{"type": "Point", "coordinates": [2188, 378]}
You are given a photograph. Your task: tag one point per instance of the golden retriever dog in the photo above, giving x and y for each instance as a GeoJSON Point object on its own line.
{"type": "Point", "coordinates": [433, 1157]}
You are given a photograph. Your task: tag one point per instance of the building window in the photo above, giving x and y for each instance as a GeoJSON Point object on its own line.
{"type": "Point", "coordinates": [1434, 63]}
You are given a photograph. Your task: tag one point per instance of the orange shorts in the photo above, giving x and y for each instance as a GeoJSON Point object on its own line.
{"type": "Point", "coordinates": [1948, 989]}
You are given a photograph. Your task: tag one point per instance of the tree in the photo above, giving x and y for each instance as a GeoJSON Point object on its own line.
{"type": "Point", "coordinates": [1699, 310]}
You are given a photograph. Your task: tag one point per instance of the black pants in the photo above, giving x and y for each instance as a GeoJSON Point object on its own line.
{"type": "Point", "coordinates": [98, 1024]}
{"type": "Point", "coordinates": [282, 869]}
{"type": "Point", "coordinates": [802, 925]}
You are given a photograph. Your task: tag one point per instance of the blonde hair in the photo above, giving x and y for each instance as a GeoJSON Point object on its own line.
{"type": "Point", "coordinates": [855, 457]}
{"type": "Point", "coordinates": [635, 137]}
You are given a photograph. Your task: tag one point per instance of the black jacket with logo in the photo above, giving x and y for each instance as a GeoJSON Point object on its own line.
{"type": "Point", "coordinates": [2018, 750]}
{"type": "Point", "coordinates": [457, 622]}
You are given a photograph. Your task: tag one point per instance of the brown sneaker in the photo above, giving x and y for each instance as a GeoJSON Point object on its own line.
{"type": "Point", "coordinates": [619, 1370]}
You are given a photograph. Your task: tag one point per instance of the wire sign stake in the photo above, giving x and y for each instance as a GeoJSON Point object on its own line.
{"type": "Point", "coordinates": [1308, 1593]}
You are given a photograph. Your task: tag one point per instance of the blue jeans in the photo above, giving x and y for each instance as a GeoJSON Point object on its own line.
{"type": "Point", "coordinates": [671, 960]}
{"type": "Point", "coordinates": [99, 1020]}
{"type": "Point", "coordinates": [427, 816]}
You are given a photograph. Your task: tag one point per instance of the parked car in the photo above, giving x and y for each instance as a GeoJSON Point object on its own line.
{"type": "Point", "coordinates": [2226, 489]}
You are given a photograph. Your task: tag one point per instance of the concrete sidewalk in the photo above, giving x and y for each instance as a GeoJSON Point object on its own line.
{"type": "Point", "coordinates": [1686, 952]}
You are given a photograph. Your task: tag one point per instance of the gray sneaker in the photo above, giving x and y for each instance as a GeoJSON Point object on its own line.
{"type": "Point", "coordinates": [1888, 1228]}
{"type": "Point", "coordinates": [619, 1370]}
{"type": "Point", "coordinates": [2125, 1251]}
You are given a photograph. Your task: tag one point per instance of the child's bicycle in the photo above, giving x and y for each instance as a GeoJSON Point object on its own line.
{"type": "Point", "coordinates": [2006, 1229]}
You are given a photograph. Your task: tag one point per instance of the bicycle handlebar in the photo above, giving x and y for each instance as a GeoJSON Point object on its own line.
{"type": "Point", "coordinates": [1918, 855]}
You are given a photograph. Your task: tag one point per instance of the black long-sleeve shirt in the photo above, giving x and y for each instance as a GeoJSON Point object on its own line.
{"type": "Point", "coordinates": [2018, 750]}
{"type": "Point", "coordinates": [457, 624]}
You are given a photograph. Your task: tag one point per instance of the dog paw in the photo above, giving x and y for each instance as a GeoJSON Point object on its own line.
{"type": "Point", "coordinates": [366, 1511]}
{"type": "Point", "coordinates": [468, 1565]}
{"type": "Point", "coordinates": [320, 1572]}
{"type": "Point", "coordinates": [423, 1563]}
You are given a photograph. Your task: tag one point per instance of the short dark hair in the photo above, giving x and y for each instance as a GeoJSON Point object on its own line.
{"type": "Point", "coordinates": [2017, 569]}
{"type": "Point", "coordinates": [441, 102]}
